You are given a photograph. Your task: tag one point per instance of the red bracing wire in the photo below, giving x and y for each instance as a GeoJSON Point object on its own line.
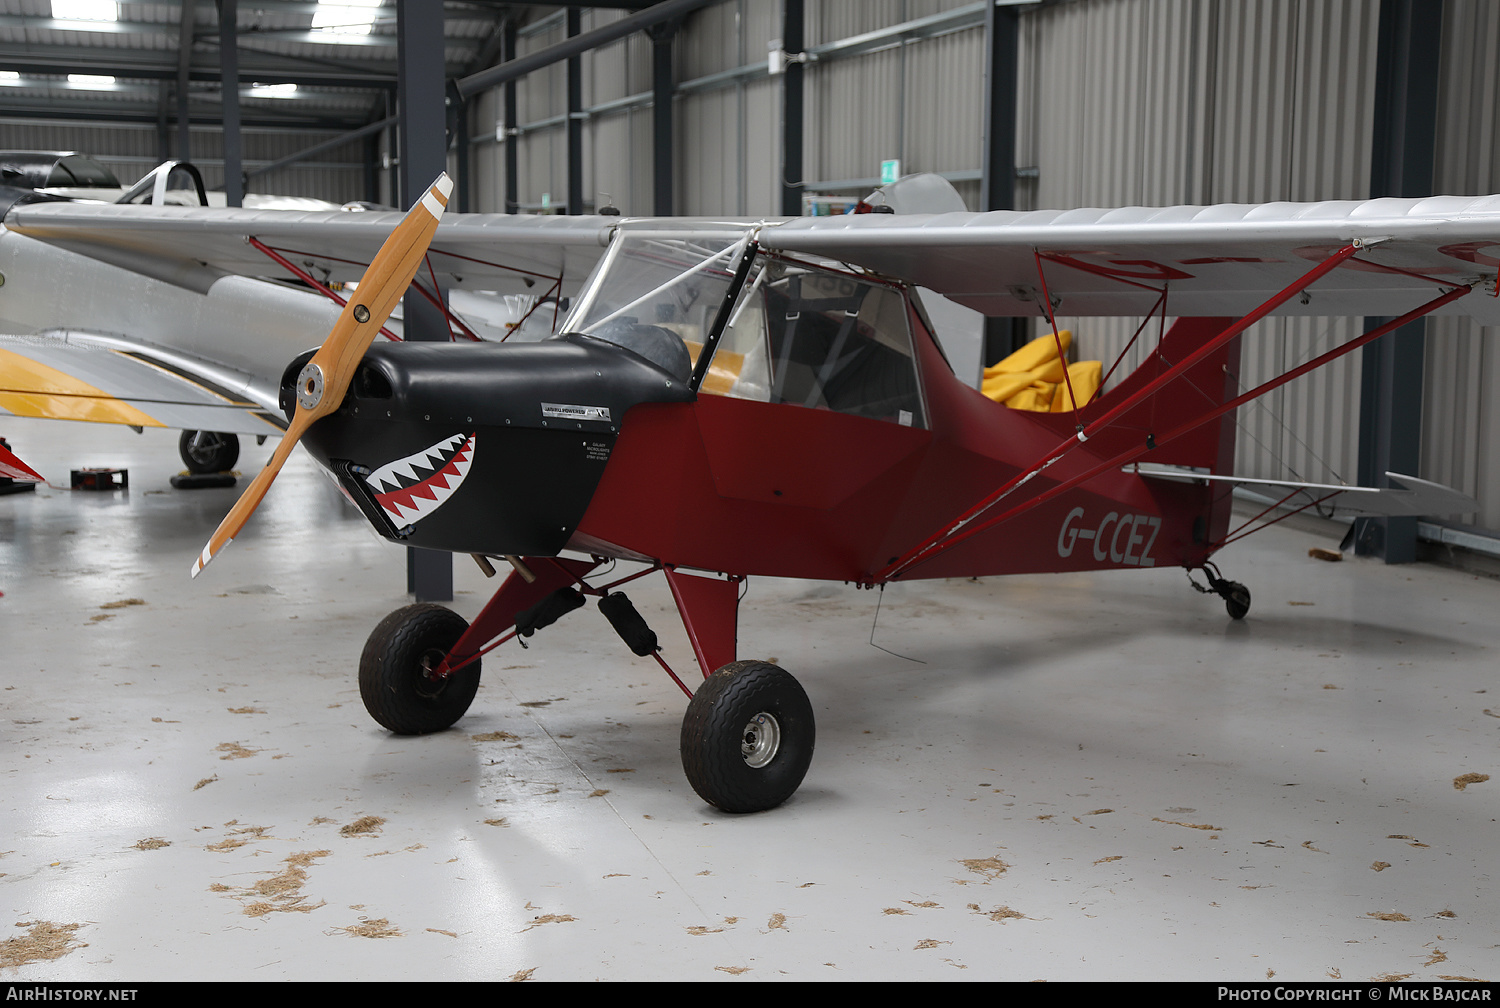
{"type": "Point", "coordinates": [308, 279]}
{"type": "Point", "coordinates": [963, 529]}
{"type": "Point", "coordinates": [1056, 336]}
{"type": "Point", "coordinates": [957, 531]}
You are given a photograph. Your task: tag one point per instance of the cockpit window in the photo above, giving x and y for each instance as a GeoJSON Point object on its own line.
{"type": "Point", "coordinates": [796, 334]}
{"type": "Point", "coordinates": [822, 340]}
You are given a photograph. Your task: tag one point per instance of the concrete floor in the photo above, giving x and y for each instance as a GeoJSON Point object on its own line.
{"type": "Point", "coordinates": [1070, 777]}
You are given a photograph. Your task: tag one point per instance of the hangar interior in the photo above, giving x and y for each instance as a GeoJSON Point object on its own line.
{"type": "Point", "coordinates": [1052, 777]}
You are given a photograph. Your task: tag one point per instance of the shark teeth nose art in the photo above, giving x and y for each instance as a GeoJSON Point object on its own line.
{"type": "Point", "coordinates": [413, 487]}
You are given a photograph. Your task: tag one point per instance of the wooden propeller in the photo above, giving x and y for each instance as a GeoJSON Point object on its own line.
{"type": "Point", "coordinates": [322, 383]}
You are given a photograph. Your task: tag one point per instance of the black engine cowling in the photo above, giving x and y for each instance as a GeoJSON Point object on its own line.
{"type": "Point", "coordinates": [482, 447]}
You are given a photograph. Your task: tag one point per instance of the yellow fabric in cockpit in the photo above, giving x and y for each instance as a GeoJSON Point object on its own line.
{"type": "Point", "coordinates": [1035, 378]}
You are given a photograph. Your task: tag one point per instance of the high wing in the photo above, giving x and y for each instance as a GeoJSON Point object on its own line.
{"type": "Point", "coordinates": [502, 252]}
{"type": "Point", "coordinates": [151, 316]}
{"type": "Point", "coordinates": [1214, 261]}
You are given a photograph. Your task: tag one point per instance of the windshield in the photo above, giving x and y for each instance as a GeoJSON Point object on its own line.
{"type": "Point", "coordinates": [658, 295]}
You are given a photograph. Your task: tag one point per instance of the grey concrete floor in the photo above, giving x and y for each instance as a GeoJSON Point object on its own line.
{"type": "Point", "coordinates": [1067, 777]}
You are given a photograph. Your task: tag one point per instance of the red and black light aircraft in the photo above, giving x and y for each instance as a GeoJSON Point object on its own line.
{"type": "Point", "coordinates": [727, 400]}
{"type": "Point", "coordinates": [721, 400]}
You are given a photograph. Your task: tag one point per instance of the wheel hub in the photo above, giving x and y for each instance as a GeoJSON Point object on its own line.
{"type": "Point", "coordinates": [760, 740]}
{"type": "Point", "coordinates": [429, 663]}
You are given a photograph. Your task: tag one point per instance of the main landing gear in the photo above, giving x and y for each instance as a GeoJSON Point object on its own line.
{"type": "Point", "coordinates": [748, 735]}
{"type": "Point", "coordinates": [747, 739]}
{"type": "Point", "coordinates": [208, 451]}
{"type": "Point", "coordinates": [1235, 595]}
{"type": "Point", "coordinates": [399, 672]}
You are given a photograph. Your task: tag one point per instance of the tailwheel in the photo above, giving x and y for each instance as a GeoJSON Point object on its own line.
{"type": "Point", "coordinates": [1236, 599]}
{"type": "Point", "coordinates": [1235, 595]}
{"type": "Point", "coordinates": [396, 678]}
{"type": "Point", "coordinates": [747, 738]}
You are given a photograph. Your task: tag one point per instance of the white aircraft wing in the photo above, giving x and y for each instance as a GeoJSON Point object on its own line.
{"type": "Point", "coordinates": [1214, 261]}
{"type": "Point", "coordinates": [504, 252]}
{"type": "Point", "coordinates": [150, 316]}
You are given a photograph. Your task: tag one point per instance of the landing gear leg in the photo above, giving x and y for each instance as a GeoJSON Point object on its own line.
{"type": "Point", "coordinates": [1235, 595]}
{"type": "Point", "coordinates": [747, 737]}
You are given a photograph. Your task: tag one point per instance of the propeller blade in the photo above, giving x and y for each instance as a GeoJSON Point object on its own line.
{"type": "Point", "coordinates": [325, 378]}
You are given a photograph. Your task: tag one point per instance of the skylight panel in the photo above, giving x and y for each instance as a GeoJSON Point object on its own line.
{"type": "Point", "coordinates": [349, 17]}
{"type": "Point", "coordinates": [273, 90]}
{"type": "Point", "coordinates": [86, 10]}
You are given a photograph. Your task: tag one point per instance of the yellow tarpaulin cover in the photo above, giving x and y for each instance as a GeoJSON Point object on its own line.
{"type": "Point", "coordinates": [1033, 378]}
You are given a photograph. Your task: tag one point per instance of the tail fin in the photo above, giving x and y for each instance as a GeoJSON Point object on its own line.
{"type": "Point", "coordinates": [1211, 382]}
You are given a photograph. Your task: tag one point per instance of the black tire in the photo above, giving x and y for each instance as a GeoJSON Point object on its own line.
{"type": "Point", "coordinates": [208, 451]}
{"type": "Point", "coordinates": [393, 680]}
{"type": "Point", "coordinates": [747, 738]}
{"type": "Point", "coordinates": [1237, 600]}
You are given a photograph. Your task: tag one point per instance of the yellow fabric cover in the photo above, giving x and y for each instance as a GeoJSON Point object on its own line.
{"type": "Point", "coordinates": [1033, 355]}
{"type": "Point", "coordinates": [1035, 378]}
{"type": "Point", "coordinates": [1084, 377]}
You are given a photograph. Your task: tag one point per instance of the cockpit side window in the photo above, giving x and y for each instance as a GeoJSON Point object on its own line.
{"type": "Point", "coordinates": [836, 342]}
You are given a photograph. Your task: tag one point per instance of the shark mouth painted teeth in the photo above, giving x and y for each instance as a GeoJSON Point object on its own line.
{"type": "Point", "coordinates": [412, 488]}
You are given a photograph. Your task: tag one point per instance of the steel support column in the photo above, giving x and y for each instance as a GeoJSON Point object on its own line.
{"type": "Point", "coordinates": [229, 86]}
{"type": "Point", "coordinates": [575, 116]}
{"type": "Point", "coordinates": [508, 97]}
{"type": "Point", "coordinates": [1404, 141]}
{"type": "Point", "coordinates": [185, 35]}
{"type": "Point", "coordinates": [663, 90]}
{"type": "Point", "coordinates": [997, 186]}
{"type": "Point", "coordinates": [422, 149]}
{"type": "Point", "coordinates": [793, 41]}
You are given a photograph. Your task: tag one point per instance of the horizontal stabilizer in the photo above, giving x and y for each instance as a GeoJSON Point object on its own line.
{"type": "Point", "coordinates": [1409, 496]}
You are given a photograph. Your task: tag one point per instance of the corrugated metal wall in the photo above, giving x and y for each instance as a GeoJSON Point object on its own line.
{"type": "Point", "coordinates": [917, 99]}
{"type": "Point", "coordinates": [1461, 424]}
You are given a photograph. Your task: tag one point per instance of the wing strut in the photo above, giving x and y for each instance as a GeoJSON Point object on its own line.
{"type": "Point", "coordinates": [966, 525]}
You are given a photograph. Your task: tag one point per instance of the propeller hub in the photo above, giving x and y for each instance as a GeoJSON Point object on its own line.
{"type": "Point", "coordinates": [310, 386]}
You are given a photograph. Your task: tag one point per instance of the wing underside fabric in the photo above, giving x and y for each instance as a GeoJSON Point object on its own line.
{"type": "Point", "coordinates": [1212, 261]}
{"type": "Point", "coordinates": [1222, 260]}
